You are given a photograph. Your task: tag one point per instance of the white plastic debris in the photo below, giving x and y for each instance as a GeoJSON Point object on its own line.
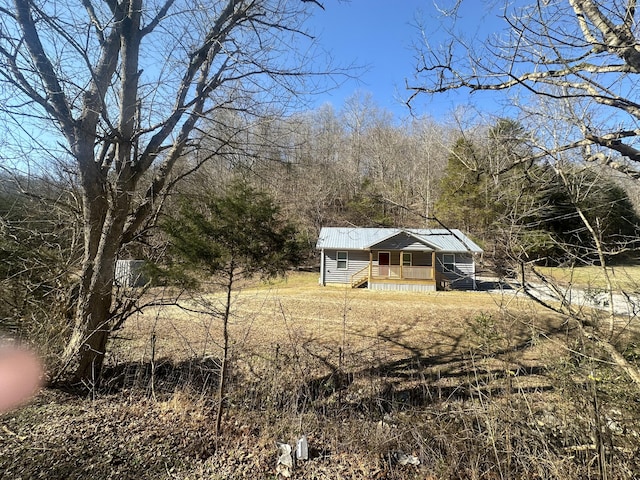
{"type": "Point", "coordinates": [285, 460]}
{"type": "Point", "coordinates": [404, 459]}
{"type": "Point", "coordinates": [302, 448]}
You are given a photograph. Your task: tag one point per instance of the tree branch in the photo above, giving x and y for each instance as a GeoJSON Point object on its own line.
{"type": "Point", "coordinates": [56, 101]}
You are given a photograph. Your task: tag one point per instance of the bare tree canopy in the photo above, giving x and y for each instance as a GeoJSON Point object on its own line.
{"type": "Point", "coordinates": [581, 53]}
{"type": "Point", "coordinates": [125, 83]}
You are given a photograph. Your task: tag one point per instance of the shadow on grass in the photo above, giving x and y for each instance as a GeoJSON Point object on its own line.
{"type": "Point", "coordinates": [414, 378]}
{"type": "Point", "coordinates": [401, 372]}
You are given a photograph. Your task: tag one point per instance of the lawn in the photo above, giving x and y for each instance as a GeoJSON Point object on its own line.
{"type": "Point", "coordinates": [468, 384]}
{"type": "Point", "coordinates": [297, 310]}
{"type": "Point", "coordinates": [623, 277]}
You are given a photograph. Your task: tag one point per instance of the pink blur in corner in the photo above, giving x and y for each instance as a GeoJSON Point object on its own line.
{"type": "Point", "coordinates": [20, 376]}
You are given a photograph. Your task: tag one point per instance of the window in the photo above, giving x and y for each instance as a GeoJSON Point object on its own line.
{"type": "Point", "coordinates": [406, 259]}
{"type": "Point", "coordinates": [449, 262]}
{"type": "Point", "coordinates": [342, 259]}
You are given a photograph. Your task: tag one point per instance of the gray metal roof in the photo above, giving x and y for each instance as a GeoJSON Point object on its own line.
{"type": "Point", "coordinates": [440, 239]}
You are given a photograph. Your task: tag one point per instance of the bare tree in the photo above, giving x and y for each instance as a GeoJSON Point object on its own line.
{"type": "Point", "coordinates": [426, 162]}
{"type": "Point", "coordinates": [125, 84]}
{"type": "Point", "coordinates": [584, 51]}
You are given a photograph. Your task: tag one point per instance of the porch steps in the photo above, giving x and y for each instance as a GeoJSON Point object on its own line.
{"type": "Point", "coordinates": [358, 279]}
{"type": "Point", "coordinates": [359, 283]}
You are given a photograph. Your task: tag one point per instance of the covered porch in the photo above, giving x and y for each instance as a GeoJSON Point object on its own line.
{"type": "Point", "coordinates": [414, 270]}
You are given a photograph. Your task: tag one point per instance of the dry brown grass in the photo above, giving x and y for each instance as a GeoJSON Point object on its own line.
{"type": "Point", "coordinates": [338, 364]}
{"type": "Point", "coordinates": [299, 311]}
{"type": "Point", "coordinates": [474, 385]}
{"type": "Point", "coordinates": [623, 277]}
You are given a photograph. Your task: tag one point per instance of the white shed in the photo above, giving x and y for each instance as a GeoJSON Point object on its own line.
{"type": "Point", "coordinates": [130, 273]}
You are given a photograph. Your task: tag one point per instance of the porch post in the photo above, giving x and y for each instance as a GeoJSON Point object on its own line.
{"type": "Point", "coordinates": [370, 265]}
{"type": "Point", "coordinates": [322, 264]}
{"type": "Point", "coordinates": [473, 266]}
{"type": "Point", "coordinates": [433, 265]}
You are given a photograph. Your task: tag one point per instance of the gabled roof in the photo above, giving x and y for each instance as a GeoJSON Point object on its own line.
{"type": "Point", "coordinates": [439, 239]}
{"type": "Point", "coordinates": [394, 232]}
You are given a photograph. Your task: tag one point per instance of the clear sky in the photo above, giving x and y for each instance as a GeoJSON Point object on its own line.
{"type": "Point", "coordinates": [380, 36]}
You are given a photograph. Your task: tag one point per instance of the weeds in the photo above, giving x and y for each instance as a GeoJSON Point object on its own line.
{"type": "Point", "coordinates": [472, 398]}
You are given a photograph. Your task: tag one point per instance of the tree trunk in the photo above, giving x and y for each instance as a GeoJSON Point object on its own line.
{"type": "Point", "coordinates": [104, 224]}
{"type": "Point", "coordinates": [106, 207]}
{"type": "Point", "coordinates": [87, 346]}
{"type": "Point", "coordinates": [222, 379]}
{"type": "Point", "coordinates": [93, 320]}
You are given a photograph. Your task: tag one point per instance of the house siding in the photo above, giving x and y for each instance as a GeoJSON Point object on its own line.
{"type": "Point", "coordinates": [356, 262]}
{"type": "Point", "coordinates": [418, 259]}
{"type": "Point", "coordinates": [421, 259]}
{"type": "Point", "coordinates": [464, 275]}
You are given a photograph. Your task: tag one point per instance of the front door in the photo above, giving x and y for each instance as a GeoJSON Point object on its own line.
{"type": "Point", "coordinates": [384, 259]}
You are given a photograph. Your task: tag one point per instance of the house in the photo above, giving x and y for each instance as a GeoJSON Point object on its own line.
{"type": "Point", "coordinates": [397, 258]}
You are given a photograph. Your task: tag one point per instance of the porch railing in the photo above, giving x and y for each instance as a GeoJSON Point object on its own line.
{"type": "Point", "coordinates": [399, 271]}
{"type": "Point", "coordinates": [392, 272]}
{"type": "Point", "coordinates": [360, 277]}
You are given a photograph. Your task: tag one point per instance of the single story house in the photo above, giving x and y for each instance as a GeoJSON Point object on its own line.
{"type": "Point", "coordinates": [397, 258]}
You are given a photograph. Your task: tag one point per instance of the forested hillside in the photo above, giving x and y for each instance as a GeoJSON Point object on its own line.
{"type": "Point", "coordinates": [360, 166]}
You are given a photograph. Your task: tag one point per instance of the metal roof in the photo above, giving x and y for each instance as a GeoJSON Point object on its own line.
{"type": "Point", "coordinates": [441, 239]}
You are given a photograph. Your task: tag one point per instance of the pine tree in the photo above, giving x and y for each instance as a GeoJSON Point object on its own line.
{"type": "Point", "coordinates": [228, 237]}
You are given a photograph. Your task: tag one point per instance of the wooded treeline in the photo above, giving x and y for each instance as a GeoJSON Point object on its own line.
{"type": "Point", "coordinates": [354, 166]}
{"type": "Point", "coordinates": [358, 166]}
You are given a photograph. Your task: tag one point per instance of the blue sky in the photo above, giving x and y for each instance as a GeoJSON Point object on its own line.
{"type": "Point", "coordinates": [379, 35]}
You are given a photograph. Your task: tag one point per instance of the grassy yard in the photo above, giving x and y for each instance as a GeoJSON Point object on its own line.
{"type": "Point", "coordinates": [622, 278]}
{"type": "Point", "coordinates": [468, 384]}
